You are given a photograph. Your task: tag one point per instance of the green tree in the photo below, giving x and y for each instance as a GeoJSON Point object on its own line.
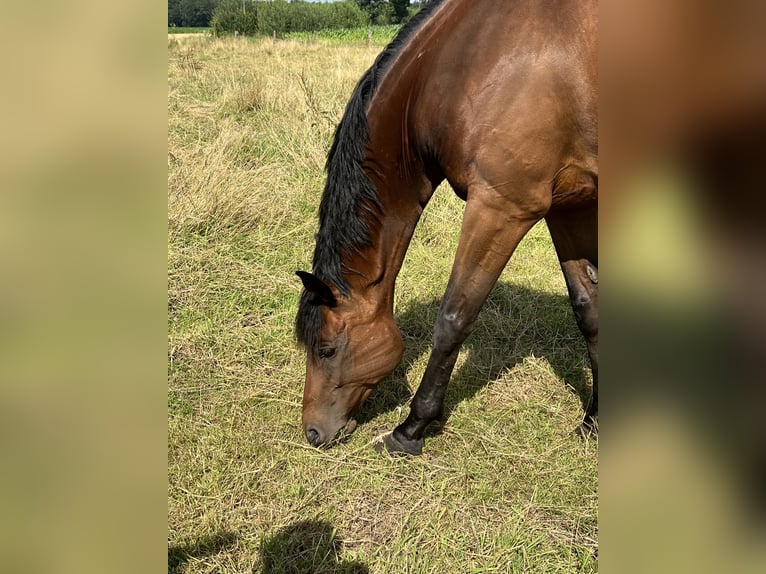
{"type": "Point", "coordinates": [191, 12]}
{"type": "Point", "coordinates": [380, 11]}
{"type": "Point", "coordinates": [228, 18]}
{"type": "Point", "coordinates": [174, 12]}
{"type": "Point", "coordinates": [400, 10]}
{"type": "Point", "coordinates": [282, 17]}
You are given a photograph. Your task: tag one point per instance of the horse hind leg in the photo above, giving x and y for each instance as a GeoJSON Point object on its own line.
{"type": "Point", "coordinates": [575, 236]}
{"type": "Point", "coordinates": [491, 230]}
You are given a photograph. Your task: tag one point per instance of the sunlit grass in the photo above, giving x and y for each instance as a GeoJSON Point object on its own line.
{"type": "Point", "coordinates": [375, 33]}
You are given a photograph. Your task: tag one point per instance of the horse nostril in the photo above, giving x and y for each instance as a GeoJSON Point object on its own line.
{"type": "Point", "coordinates": [312, 435]}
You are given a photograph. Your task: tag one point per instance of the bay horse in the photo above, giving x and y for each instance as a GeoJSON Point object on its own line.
{"type": "Point", "coordinates": [498, 97]}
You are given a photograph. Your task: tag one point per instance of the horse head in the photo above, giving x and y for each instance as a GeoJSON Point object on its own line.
{"type": "Point", "coordinates": [350, 347]}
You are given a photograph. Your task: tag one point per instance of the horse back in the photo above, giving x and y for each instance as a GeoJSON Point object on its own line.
{"type": "Point", "coordinates": [506, 95]}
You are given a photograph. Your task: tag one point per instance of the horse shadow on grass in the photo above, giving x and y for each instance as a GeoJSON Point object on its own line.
{"type": "Point", "coordinates": [306, 546]}
{"type": "Point", "coordinates": [179, 555]}
{"type": "Point", "coordinates": [514, 323]}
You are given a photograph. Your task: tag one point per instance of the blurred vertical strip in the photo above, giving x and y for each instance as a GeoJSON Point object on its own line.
{"type": "Point", "coordinates": [83, 289]}
{"type": "Point", "coordinates": [683, 318]}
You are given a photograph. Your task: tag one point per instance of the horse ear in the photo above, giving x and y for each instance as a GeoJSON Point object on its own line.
{"type": "Point", "coordinates": [322, 293]}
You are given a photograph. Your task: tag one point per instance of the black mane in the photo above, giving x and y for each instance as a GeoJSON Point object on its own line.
{"type": "Point", "coordinates": [349, 199]}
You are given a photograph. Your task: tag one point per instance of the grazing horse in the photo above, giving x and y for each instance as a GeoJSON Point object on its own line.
{"type": "Point", "coordinates": [499, 98]}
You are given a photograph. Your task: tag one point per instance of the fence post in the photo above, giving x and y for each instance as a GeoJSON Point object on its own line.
{"type": "Point", "coordinates": [274, 35]}
{"type": "Point", "coordinates": [315, 36]}
{"type": "Point", "coordinates": [369, 36]}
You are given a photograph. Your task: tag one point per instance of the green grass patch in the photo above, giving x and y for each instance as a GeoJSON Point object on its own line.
{"type": "Point", "coordinates": [187, 30]}
{"type": "Point", "coordinates": [503, 486]}
{"type": "Point", "coordinates": [377, 34]}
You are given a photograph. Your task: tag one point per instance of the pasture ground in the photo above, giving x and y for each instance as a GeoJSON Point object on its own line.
{"type": "Point", "coordinates": [503, 486]}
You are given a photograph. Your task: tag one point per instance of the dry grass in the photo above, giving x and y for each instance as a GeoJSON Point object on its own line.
{"type": "Point", "coordinates": [504, 486]}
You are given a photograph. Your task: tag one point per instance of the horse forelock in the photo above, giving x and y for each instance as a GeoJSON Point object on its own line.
{"type": "Point", "coordinates": [308, 323]}
{"type": "Point", "coordinates": [349, 200]}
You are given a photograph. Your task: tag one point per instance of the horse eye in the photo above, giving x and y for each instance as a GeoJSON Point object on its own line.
{"type": "Point", "coordinates": [327, 353]}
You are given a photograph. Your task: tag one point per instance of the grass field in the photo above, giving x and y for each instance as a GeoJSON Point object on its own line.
{"type": "Point", "coordinates": [503, 486]}
{"type": "Point", "coordinates": [186, 30]}
{"type": "Point", "coordinates": [375, 33]}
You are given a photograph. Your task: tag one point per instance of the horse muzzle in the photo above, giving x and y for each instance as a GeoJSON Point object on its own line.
{"type": "Point", "coordinates": [317, 436]}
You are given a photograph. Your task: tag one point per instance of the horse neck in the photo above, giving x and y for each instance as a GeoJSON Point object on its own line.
{"type": "Point", "coordinates": [403, 189]}
{"type": "Point", "coordinates": [399, 169]}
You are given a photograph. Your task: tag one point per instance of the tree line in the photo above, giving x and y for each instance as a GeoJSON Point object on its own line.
{"type": "Point", "coordinates": [281, 17]}
{"type": "Point", "coordinates": [284, 16]}
{"type": "Point", "coordinates": [191, 13]}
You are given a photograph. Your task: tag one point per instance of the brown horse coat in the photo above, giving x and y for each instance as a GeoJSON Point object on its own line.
{"type": "Point", "coordinates": [497, 97]}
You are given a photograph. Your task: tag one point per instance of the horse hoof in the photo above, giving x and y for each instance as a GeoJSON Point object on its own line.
{"type": "Point", "coordinates": [398, 446]}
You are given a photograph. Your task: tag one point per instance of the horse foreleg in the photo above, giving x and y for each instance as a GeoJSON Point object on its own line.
{"type": "Point", "coordinates": [492, 228]}
{"type": "Point", "coordinates": [574, 234]}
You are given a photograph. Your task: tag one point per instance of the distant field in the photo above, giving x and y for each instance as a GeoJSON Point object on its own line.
{"type": "Point", "coordinates": [186, 30]}
{"type": "Point", "coordinates": [376, 33]}
{"type": "Point", "coordinates": [503, 486]}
